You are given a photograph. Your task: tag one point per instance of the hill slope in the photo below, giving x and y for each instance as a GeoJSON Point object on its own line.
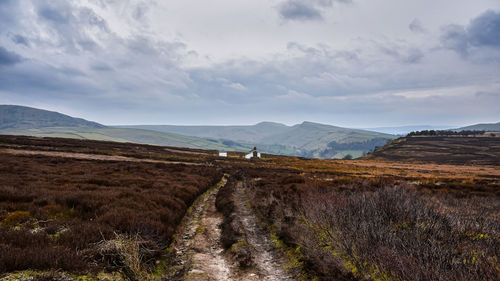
{"type": "Point", "coordinates": [477, 150]}
{"type": "Point", "coordinates": [404, 130]}
{"type": "Point", "coordinates": [306, 139]}
{"type": "Point", "coordinates": [251, 134]}
{"type": "Point", "coordinates": [19, 117]}
{"type": "Point", "coordinates": [21, 120]}
{"type": "Point", "coordinates": [310, 135]}
{"type": "Point", "coordinates": [492, 127]}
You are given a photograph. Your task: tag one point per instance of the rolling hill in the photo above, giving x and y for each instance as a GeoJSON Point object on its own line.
{"type": "Point", "coordinates": [306, 139]}
{"type": "Point", "coordinates": [22, 117]}
{"type": "Point", "coordinates": [21, 120]}
{"type": "Point", "coordinates": [253, 134]}
{"type": "Point", "coordinates": [492, 127]}
{"type": "Point", "coordinates": [403, 130]}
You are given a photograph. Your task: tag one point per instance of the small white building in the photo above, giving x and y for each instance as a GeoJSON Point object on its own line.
{"type": "Point", "coordinates": [253, 154]}
{"type": "Point", "coordinates": [222, 154]}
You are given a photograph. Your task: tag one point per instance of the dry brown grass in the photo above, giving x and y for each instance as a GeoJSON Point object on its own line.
{"type": "Point", "coordinates": [81, 213]}
{"type": "Point", "coordinates": [55, 211]}
{"type": "Point", "coordinates": [352, 228]}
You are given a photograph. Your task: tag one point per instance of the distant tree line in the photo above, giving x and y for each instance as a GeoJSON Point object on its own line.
{"type": "Point", "coordinates": [445, 133]}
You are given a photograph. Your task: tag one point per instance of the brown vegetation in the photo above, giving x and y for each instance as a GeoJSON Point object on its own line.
{"type": "Point", "coordinates": [457, 150]}
{"type": "Point", "coordinates": [335, 219]}
{"type": "Point", "coordinates": [81, 215]}
{"type": "Point", "coordinates": [382, 230]}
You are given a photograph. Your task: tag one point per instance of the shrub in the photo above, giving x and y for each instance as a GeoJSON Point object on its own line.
{"type": "Point", "coordinates": [382, 230]}
{"type": "Point", "coordinates": [52, 215]}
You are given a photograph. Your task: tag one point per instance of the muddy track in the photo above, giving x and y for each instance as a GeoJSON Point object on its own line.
{"type": "Point", "coordinates": [197, 249]}
{"type": "Point", "coordinates": [269, 263]}
{"type": "Point", "coordinates": [199, 254]}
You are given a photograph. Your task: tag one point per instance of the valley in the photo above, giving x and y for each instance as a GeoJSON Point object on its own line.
{"type": "Point", "coordinates": [307, 139]}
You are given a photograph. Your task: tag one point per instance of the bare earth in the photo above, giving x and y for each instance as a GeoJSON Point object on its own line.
{"type": "Point", "coordinates": [269, 264]}
{"type": "Point", "coordinates": [201, 256]}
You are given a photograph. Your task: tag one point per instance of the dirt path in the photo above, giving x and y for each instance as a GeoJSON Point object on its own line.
{"type": "Point", "coordinates": [89, 156]}
{"type": "Point", "coordinates": [199, 254]}
{"type": "Point", "coordinates": [269, 264]}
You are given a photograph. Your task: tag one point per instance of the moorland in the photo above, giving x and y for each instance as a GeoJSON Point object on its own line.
{"type": "Point", "coordinates": [93, 210]}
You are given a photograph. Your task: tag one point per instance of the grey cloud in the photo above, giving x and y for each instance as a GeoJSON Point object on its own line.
{"type": "Point", "coordinates": [485, 29]}
{"type": "Point", "coordinates": [8, 12]}
{"type": "Point", "coordinates": [140, 12]}
{"type": "Point", "coordinates": [318, 71]}
{"type": "Point", "coordinates": [488, 95]}
{"type": "Point", "coordinates": [8, 58]}
{"type": "Point", "coordinates": [402, 52]}
{"type": "Point", "coordinates": [19, 39]}
{"type": "Point", "coordinates": [101, 67]}
{"type": "Point", "coordinates": [454, 37]}
{"type": "Point", "coordinates": [72, 27]}
{"type": "Point", "coordinates": [296, 10]}
{"type": "Point", "coordinates": [416, 26]}
{"type": "Point", "coordinates": [482, 31]}
{"type": "Point", "coordinates": [141, 75]}
{"type": "Point", "coordinates": [54, 13]}
{"type": "Point", "coordinates": [89, 17]}
{"type": "Point", "coordinates": [414, 55]}
{"type": "Point", "coordinates": [305, 10]}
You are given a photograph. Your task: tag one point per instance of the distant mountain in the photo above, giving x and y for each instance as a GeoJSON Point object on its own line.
{"type": "Point", "coordinates": [306, 139]}
{"type": "Point", "coordinates": [250, 134]}
{"type": "Point", "coordinates": [493, 127]}
{"type": "Point", "coordinates": [19, 117]}
{"type": "Point", "coordinates": [21, 120]}
{"type": "Point", "coordinates": [404, 130]}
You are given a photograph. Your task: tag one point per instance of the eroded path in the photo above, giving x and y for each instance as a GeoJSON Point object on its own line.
{"type": "Point", "coordinates": [199, 253]}
{"type": "Point", "coordinates": [269, 265]}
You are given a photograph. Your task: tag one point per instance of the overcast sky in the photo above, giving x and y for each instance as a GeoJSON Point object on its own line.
{"type": "Point", "coordinates": [354, 63]}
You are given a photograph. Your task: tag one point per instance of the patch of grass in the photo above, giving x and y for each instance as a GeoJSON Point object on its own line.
{"type": "Point", "coordinates": [15, 218]}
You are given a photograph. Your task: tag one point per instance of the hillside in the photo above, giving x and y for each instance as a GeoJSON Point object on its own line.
{"type": "Point", "coordinates": [20, 117]}
{"type": "Point", "coordinates": [127, 135]}
{"type": "Point", "coordinates": [475, 150]}
{"type": "Point", "coordinates": [253, 133]}
{"type": "Point", "coordinates": [21, 120]}
{"type": "Point", "coordinates": [403, 130]}
{"type": "Point", "coordinates": [492, 127]}
{"type": "Point", "coordinates": [310, 136]}
{"type": "Point", "coordinates": [306, 139]}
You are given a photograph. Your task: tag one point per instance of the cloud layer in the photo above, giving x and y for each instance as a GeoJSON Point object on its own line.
{"type": "Point", "coordinates": [482, 34]}
{"type": "Point", "coordinates": [144, 62]}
